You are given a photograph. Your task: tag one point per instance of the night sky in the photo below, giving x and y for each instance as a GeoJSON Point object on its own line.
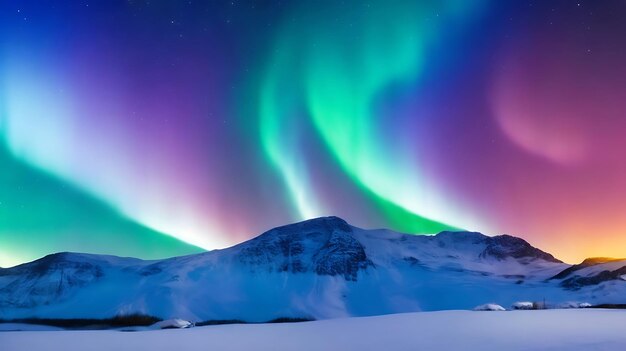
{"type": "Point", "coordinates": [160, 128]}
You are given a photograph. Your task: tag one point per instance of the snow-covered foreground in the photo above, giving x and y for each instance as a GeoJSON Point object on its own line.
{"type": "Point", "coordinates": [445, 330]}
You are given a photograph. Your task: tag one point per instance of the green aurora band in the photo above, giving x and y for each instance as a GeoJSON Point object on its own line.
{"type": "Point", "coordinates": [331, 68]}
{"type": "Point", "coordinates": [40, 214]}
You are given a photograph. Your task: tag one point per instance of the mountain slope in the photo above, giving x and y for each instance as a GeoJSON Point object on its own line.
{"type": "Point", "coordinates": [321, 268]}
{"type": "Point", "coordinates": [592, 272]}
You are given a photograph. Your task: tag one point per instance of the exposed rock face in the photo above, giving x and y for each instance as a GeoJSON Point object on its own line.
{"type": "Point", "coordinates": [584, 264]}
{"type": "Point", "coordinates": [47, 280]}
{"type": "Point", "coordinates": [503, 246]}
{"type": "Point", "coordinates": [341, 255]}
{"type": "Point", "coordinates": [499, 247]}
{"type": "Point", "coordinates": [577, 282]}
{"type": "Point", "coordinates": [325, 246]}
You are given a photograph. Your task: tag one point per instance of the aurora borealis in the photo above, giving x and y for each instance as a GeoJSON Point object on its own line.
{"type": "Point", "coordinates": [157, 128]}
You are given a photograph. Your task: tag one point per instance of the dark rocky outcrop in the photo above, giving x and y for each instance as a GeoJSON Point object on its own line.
{"type": "Point", "coordinates": [324, 245]}
{"type": "Point", "coordinates": [577, 282]}
{"type": "Point", "coordinates": [503, 246]}
{"type": "Point", "coordinates": [584, 264]}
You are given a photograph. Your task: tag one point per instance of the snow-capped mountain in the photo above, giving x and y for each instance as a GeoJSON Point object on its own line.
{"type": "Point", "coordinates": [321, 268]}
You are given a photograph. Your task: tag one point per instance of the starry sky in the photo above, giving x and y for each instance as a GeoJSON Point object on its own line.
{"type": "Point", "coordinates": [161, 128]}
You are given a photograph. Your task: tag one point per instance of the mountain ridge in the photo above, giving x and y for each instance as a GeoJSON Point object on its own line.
{"type": "Point", "coordinates": [320, 268]}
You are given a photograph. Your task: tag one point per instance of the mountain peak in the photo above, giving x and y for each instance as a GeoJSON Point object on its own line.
{"type": "Point", "coordinates": [499, 247]}
{"type": "Point", "coordinates": [329, 222]}
{"type": "Point", "coordinates": [324, 245]}
{"type": "Point", "coordinates": [588, 262]}
{"type": "Point", "coordinates": [42, 264]}
{"type": "Point", "coordinates": [592, 261]}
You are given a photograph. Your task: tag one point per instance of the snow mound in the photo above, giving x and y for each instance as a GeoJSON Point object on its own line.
{"type": "Point", "coordinates": [523, 305]}
{"type": "Point", "coordinates": [489, 307]}
{"type": "Point", "coordinates": [172, 324]}
{"type": "Point", "coordinates": [574, 304]}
